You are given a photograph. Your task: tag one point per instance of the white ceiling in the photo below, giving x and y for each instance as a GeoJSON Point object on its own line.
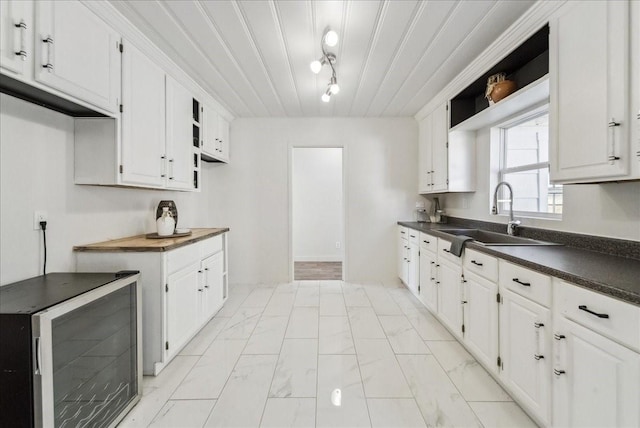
{"type": "Point", "coordinates": [253, 56]}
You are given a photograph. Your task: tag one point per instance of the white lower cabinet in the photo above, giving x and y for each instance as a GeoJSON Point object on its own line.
{"type": "Point", "coordinates": [525, 354]}
{"type": "Point", "coordinates": [403, 254]}
{"type": "Point", "coordinates": [181, 290]}
{"type": "Point", "coordinates": [596, 365]}
{"type": "Point", "coordinates": [597, 381]}
{"type": "Point", "coordinates": [211, 288]}
{"type": "Point", "coordinates": [481, 318]}
{"type": "Point", "coordinates": [182, 297]}
{"type": "Point", "coordinates": [413, 262]}
{"type": "Point", "coordinates": [569, 356]}
{"type": "Point", "coordinates": [428, 280]}
{"type": "Point", "coordinates": [450, 296]}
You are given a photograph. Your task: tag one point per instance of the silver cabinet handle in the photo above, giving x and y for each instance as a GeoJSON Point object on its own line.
{"type": "Point", "coordinates": [163, 163]}
{"type": "Point", "coordinates": [22, 27]}
{"type": "Point", "coordinates": [38, 355]}
{"type": "Point", "coordinates": [612, 144]}
{"type": "Point", "coordinates": [558, 372]}
{"type": "Point", "coordinates": [49, 65]}
{"type": "Point", "coordinates": [171, 177]}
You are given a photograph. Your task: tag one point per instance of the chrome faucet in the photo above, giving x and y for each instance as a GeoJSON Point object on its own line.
{"type": "Point", "coordinates": [513, 224]}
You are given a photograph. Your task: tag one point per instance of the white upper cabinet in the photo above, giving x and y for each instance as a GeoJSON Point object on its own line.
{"type": "Point", "coordinates": [180, 146]}
{"type": "Point", "coordinates": [589, 113]}
{"type": "Point", "coordinates": [216, 136]}
{"type": "Point", "coordinates": [77, 53]}
{"type": "Point", "coordinates": [143, 120]}
{"type": "Point", "coordinates": [440, 148]}
{"type": "Point", "coordinates": [424, 155]}
{"type": "Point", "coordinates": [210, 136]}
{"type": "Point", "coordinates": [15, 38]}
{"type": "Point", "coordinates": [446, 160]}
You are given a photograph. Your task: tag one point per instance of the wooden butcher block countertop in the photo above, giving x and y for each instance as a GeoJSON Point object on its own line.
{"type": "Point", "coordinates": [140, 243]}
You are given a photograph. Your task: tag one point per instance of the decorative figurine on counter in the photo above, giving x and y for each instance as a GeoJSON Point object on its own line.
{"type": "Point", "coordinates": [165, 223]}
{"type": "Point", "coordinates": [173, 209]}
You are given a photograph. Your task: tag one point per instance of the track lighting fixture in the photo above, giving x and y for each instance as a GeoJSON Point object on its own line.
{"type": "Point", "coordinates": [329, 38]}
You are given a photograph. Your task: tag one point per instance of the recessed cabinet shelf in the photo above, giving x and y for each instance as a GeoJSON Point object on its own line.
{"type": "Point", "coordinates": [534, 94]}
{"type": "Point", "coordinates": [525, 65]}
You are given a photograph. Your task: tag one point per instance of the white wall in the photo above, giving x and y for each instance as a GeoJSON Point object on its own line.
{"type": "Point", "coordinates": [316, 192]}
{"type": "Point", "coordinates": [611, 210]}
{"type": "Point", "coordinates": [250, 195]}
{"type": "Point", "coordinates": [37, 174]}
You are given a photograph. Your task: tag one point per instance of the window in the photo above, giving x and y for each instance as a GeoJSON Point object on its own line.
{"type": "Point", "coordinates": [524, 154]}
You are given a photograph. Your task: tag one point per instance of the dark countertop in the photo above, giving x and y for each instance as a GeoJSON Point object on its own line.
{"type": "Point", "coordinates": [35, 294]}
{"type": "Point", "coordinates": [611, 275]}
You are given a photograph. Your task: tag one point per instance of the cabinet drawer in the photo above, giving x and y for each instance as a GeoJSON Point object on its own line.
{"type": "Point", "coordinates": [444, 254]}
{"type": "Point", "coordinates": [181, 257]}
{"type": "Point", "coordinates": [403, 232]}
{"type": "Point", "coordinates": [591, 309]}
{"type": "Point", "coordinates": [525, 282]}
{"type": "Point", "coordinates": [414, 236]}
{"type": "Point", "coordinates": [429, 242]}
{"type": "Point", "coordinates": [481, 264]}
{"type": "Point", "coordinates": [210, 246]}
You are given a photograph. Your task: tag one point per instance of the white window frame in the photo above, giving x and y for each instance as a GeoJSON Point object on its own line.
{"type": "Point", "coordinates": [502, 170]}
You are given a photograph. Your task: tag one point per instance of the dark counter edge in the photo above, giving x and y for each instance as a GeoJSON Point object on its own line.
{"type": "Point", "coordinates": [605, 289]}
{"type": "Point", "coordinates": [86, 249]}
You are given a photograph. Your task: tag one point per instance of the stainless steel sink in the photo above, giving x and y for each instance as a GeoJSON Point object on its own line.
{"type": "Point", "coordinates": [484, 237]}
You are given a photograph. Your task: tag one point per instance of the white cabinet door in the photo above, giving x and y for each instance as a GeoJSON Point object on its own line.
{"type": "Point", "coordinates": [481, 318]}
{"type": "Point", "coordinates": [597, 384]}
{"type": "Point", "coordinates": [525, 352]}
{"type": "Point", "coordinates": [143, 120]}
{"type": "Point", "coordinates": [179, 136]}
{"type": "Point", "coordinates": [403, 247]}
{"type": "Point", "coordinates": [428, 280]}
{"type": "Point", "coordinates": [413, 277]}
{"type": "Point", "coordinates": [77, 53]}
{"type": "Point", "coordinates": [589, 69]}
{"type": "Point", "coordinates": [15, 27]}
{"type": "Point", "coordinates": [424, 155]}
{"type": "Point", "coordinates": [212, 292]}
{"type": "Point", "coordinates": [210, 142]}
{"type": "Point", "coordinates": [223, 137]}
{"type": "Point", "coordinates": [182, 301]}
{"type": "Point", "coordinates": [440, 134]}
{"type": "Point", "coordinates": [450, 296]}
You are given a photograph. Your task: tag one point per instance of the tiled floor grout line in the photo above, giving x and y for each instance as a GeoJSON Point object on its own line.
{"type": "Point", "coordinates": [364, 393]}
{"type": "Point", "coordinates": [236, 363]}
{"type": "Point", "coordinates": [395, 355]}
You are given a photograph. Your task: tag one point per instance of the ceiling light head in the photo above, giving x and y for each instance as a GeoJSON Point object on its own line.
{"type": "Point", "coordinates": [333, 85]}
{"type": "Point", "coordinates": [330, 38]}
{"type": "Point", "coordinates": [326, 97]}
{"type": "Point", "coordinates": [316, 66]}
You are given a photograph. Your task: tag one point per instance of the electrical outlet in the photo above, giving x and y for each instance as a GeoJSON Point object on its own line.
{"type": "Point", "coordinates": [39, 216]}
{"type": "Point", "coordinates": [338, 245]}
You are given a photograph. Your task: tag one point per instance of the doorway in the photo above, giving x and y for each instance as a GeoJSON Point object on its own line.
{"type": "Point", "coordinates": [317, 213]}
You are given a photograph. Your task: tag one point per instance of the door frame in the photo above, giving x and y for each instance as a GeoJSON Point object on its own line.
{"type": "Point", "coordinates": [345, 222]}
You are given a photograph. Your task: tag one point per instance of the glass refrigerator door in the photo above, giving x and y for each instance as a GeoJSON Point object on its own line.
{"type": "Point", "coordinates": [88, 366]}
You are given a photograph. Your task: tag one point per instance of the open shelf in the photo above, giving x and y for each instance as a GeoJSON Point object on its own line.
{"type": "Point", "coordinates": [532, 95]}
{"type": "Point", "coordinates": [526, 65]}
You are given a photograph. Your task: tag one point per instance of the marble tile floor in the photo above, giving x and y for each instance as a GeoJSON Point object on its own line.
{"type": "Point", "coordinates": [275, 354]}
